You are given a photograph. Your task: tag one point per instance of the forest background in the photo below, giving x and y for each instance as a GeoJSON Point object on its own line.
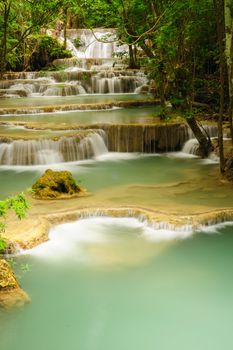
{"type": "Point", "coordinates": [185, 47]}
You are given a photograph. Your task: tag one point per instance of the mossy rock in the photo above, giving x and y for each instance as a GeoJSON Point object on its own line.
{"type": "Point", "coordinates": [55, 184]}
{"type": "Point", "coordinates": [10, 292]}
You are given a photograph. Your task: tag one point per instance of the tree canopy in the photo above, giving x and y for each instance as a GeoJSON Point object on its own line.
{"type": "Point", "coordinates": [185, 46]}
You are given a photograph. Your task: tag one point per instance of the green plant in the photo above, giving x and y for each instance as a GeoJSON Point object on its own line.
{"type": "Point", "coordinates": [3, 244]}
{"type": "Point", "coordinates": [53, 47]}
{"type": "Point", "coordinates": [78, 43]}
{"type": "Point", "coordinates": [164, 114]}
{"type": "Point", "coordinates": [19, 205]}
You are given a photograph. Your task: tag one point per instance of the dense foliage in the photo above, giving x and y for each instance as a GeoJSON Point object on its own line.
{"type": "Point", "coordinates": [186, 46]}
{"type": "Point", "coordinates": [20, 21]}
{"type": "Point", "coordinates": [47, 49]}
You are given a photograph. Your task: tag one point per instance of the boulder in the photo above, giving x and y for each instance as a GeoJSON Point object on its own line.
{"type": "Point", "coordinates": [10, 292]}
{"type": "Point", "coordinates": [55, 184]}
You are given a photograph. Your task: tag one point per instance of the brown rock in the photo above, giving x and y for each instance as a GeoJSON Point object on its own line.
{"type": "Point", "coordinates": [10, 292]}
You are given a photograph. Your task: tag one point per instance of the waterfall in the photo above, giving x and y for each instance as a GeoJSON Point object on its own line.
{"type": "Point", "coordinates": [210, 130]}
{"type": "Point", "coordinates": [149, 138]}
{"type": "Point", "coordinates": [91, 47]}
{"type": "Point", "coordinates": [117, 82]}
{"type": "Point", "coordinates": [75, 82]}
{"type": "Point", "coordinates": [27, 88]}
{"type": "Point", "coordinates": [191, 146]}
{"type": "Point", "coordinates": [92, 143]}
{"type": "Point", "coordinates": [94, 68]}
{"type": "Point", "coordinates": [67, 89]}
{"type": "Point", "coordinates": [46, 87]}
{"type": "Point", "coordinates": [146, 138]}
{"type": "Point", "coordinates": [66, 149]}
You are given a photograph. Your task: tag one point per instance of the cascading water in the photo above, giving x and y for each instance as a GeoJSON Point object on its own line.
{"type": "Point", "coordinates": [191, 146]}
{"type": "Point", "coordinates": [44, 87]}
{"type": "Point", "coordinates": [144, 138]}
{"type": "Point", "coordinates": [66, 149]}
{"type": "Point", "coordinates": [71, 83]}
{"type": "Point", "coordinates": [97, 43]}
{"type": "Point", "coordinates": [117, 82]}
{"type": "Point", "coordinates": [118, 138]}
{"type": "Point", "coordinates": [96, 70]}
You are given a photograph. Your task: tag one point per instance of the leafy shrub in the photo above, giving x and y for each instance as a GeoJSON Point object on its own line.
{"type": "Point", "coordinates": [53, 48]}
{"type": "Point", "coordinates": [19, 205]}
{"type": "Point", "coordinates": [49, 49]}
{"type": "Point", "coordinates": [78, 43]}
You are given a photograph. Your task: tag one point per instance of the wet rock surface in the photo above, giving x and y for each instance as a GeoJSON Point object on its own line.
{"type": "Point", "coordinates": [55, 184]}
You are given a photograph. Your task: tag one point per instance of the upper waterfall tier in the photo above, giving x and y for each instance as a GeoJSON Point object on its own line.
{"type": "Point", "coordinates": [29, 84]}
{"type": "Point", "coordinates": [95, 68]}
{"type": "Point", "coordinates": [96, 43]}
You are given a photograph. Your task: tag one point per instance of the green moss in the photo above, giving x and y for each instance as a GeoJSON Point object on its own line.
{"type": "Point", "coordinates": [54, 184]}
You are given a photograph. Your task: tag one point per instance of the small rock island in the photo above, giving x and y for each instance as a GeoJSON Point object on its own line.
{"type": "Point", "coordinates": [55, 185]}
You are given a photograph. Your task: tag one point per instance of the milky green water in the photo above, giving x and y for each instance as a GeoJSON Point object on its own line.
{"type": "Point", "coordinates": [116, 290]}
{"type": "Point", "coordinates": [115, 116]}
{"type": "Point", "coordinates": [59, 100]}
{"type": "Point", "coordinates": [193, 179]}
{"type": "Point", "coordinates": [20, 131]}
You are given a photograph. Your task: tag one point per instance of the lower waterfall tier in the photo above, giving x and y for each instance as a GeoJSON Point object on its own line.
{"type": "Point", "coordinates": [66, 149]}
{"type": "Point", "coordinates": [88, 143]}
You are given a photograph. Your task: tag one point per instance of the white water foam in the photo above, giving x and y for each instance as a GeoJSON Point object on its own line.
{"type": "Point", "coordinates": [167, 232]}
{"type": "Point", "coordinates": [72, 166]}
{"type": "Point", "coordinates": [109, 156]}
{"type": "Point", "coordinates": [64, 239]}
{"type": "Point", "coordinates": [69, 240]}
{"type": "Point", "coordinates": [118, 156]}
{"type": "Point", "coordinates": [212, 159]}
{"type": "Point", "coordinates": [162, 234]}
{"type": "Point", "coordinates": [215, 228]}
{"type": "Point", "coordinates": [180, 155]}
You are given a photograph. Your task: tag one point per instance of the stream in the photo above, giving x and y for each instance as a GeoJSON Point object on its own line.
{"type": "Point", "coordinates": [116, 284]}
{"type": "Point", "coordinates": [103, 283]}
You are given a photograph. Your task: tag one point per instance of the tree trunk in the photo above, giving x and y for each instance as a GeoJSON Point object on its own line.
{"type": "Point", "coordinates": [230, 79]}
{"type": "Point", "coordinates": [147, 50]}
{"type": "Point", "coordinates": [205, 146]}
{"type": "Point", "coordinates": [219, 12]}
{"type": "Point", "coordinates": [229, 57]}
{"type": "Point", "coordinates": [132, 62]}
{"type": "Point", "coordinates": [3, 52]}
{"type": "Point", "coordinates": [162, 82]}
{"type": "Point", "coordinates": [135, 55]}
{"type": "Point", "coordinates": [65, 27]}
